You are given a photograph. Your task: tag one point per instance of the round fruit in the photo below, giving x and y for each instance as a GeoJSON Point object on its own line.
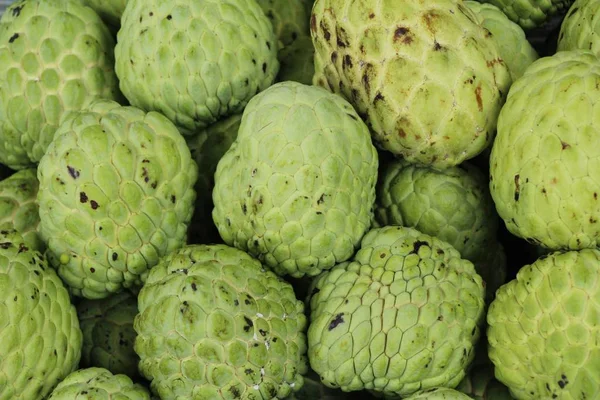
{"type": "Point", "coordinates": [98, 384]}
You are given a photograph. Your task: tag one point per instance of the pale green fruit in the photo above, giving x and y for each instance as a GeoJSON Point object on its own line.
{"type": "Point", "coordinates": [426, 77]}
{"type": "Point", "coordinates": [116, 194]}
{"type": "Point", "coordinates": [289, 19]}
{"type": "Point", "coordinates": [55, 57]}
{"type": "Point", "coordinates": [513, 46]}
{"type": "Point", "coordinates": [402, 317]}
{"type": "Point", "coordinates": [545, 163]}
{"type": "Point", "coordinates": [108, 334]}
{"type": "Point", "coordinates": [214, 324]}
{"type": "Point", "coordinates": [195, 61]}
{"type": "Point", "coordinates": [109, 10]}
{"type": "Point", "coordinates": [297, 62]}
{"type": "Point", "coordinates": [98, 384]}
{"type": "Point", "coordinates": [580, 27]}
{"type": "Point", "coordinates": [530, 14]}
{"type": "Point", "coordinates": [543, 328]}
{"type": "Point", "coordinates": [18, 206]}
{"type": "Point", "coordinates": [439, 394]}
{"type": "Point", "coordinates": [40, 337]}
{"type": "Point", "coordinates": [296, 189]}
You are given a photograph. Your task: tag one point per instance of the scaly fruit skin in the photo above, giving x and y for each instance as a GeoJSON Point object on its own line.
{"type": "Point", "coordinates": [403, 316]}
{"type": "Point", "coordinates": [289, 19]}
{"type": "Point", "coordinates": [297, 187]}
{"type": "Point", "coordinates": [545, 163]}
{"type": "Point", "coordinates": [18, 206]}
{"type": "Point", "coordinates": [108, 334]}
{"type": "Point", "coordinates": [543, 328]}
{"type": "Point", "coordinates": [214, 324]}
{"type": "Point", "coordinates": [195, 61]}
{"type": "Point", "coordinates": [55, 57]}
{"type": "Point", "coordinates": [41, 339]}
{"type": "Point", "coordinates": [98, 384]}
{"type": "Point", "coordinates": [397, 61]}
{"type": "Point", "coordinates": [530, 14]}
{"type": "Point", "coordinates": [580, 27]}
{"type": "Point", "coordinates": [452, 204]}
{"type": "Point", "coordinates": [109, 10]}
{"type": "Point", "coordinates": [116, 194]}
{"type": "Point", "coordinates": [514, 48]}
{"type": "Point", "coordinates": [297, 62]}
{"type": "Point", "coordinates": [439, 394]}
{"type": "Point", "coordinates": [207, 148]}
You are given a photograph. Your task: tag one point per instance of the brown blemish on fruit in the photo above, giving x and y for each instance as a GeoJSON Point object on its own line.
{"type": "Point", "coordinates": [73, 172]}
{"type": "Point", "coordinates": [565, 145]}
{"type": "Point", "coordinates": [313, 23]}
{"type": "Point", "coordinates": [478, 98]}
{"type": "Point", "coordinates": [94, 204]}
{"type": "Point", "coordinates": [429, 19]}
{"type": "Point", "coordinates": [83, 197]}
{"type": "Point", "coordinates": [339, 319]}
{"type": "Point", "coordinates": [437, 46]}
{"type": "Point", "coordinates": [334, 57]}
{"type": "Point", "coordinates": [342, 37]}
{"type": "Point", "coordinates": [347, 61]}
{"type": "Point", "coordinates": [517, 187]}
{"type": "Point", "coordinates": [326, 33]}
{"type": "Point", "coordinates": [403, 34]}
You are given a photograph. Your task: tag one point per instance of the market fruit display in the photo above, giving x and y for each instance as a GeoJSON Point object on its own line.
{"type": "Point", "coordinates": [116, 194]}
{"type": "Point", "coordinates": [396, 62]}
{"type": "Point", "coordinates": [40, 339]}
{"type": "Point", "coordinates": [296, 188]}
{"type": "Point", "coordinates": [55, 57]}
{"type": "Point", "coordinates": [213, 323]}
{"type": "Point", "coordinates": [403, 316]}
{"type": "Point", "coordinates": [543, 175]}
{"type": "Point", "coordinates": [580, 28]}
{"type": "Point", "coordinates": [195, 61]}
{"type": "Point", "coordinates": [543, 328]}
{"type": "Point", "coordinates": [98, 384]}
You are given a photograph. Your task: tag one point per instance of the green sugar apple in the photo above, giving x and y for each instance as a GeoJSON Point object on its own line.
{"type": "Point", "coordinates": [439, 394]}
{"type": "Point", "coordinates": [531, 14]}
{"type": "Point", "coordinates": [544, 328]}
{"type": "Point", "coordinates": [297, 62]}
{"type": "Point", "coordinates": [98, 384]}
{"type": "Point", "coordinates": [109, 10]}
{"type": "Point", "coordinates": [403, 316]}
{"type": "Point", "coordinates": [108, 334]}
{"type": "Point", "coordinates": [427, 78]}
{"type": "Point", "coordinates": [55, 57]}
{"type": "Point", "coordinates": [116, 194]}
{"type": "Point", "coordinates": [580, 27]}
{"type": "Point", "coordinates": [514, 48]}
{"type": "Point", "coordinates": [545, 161]}
{"type": "Point", "coordinates": [297, 187]}
{"type": "Point", "coordinates": [289, 19]}
{"type": "Point", "coordinates": [18, 206]}
{"type": "Point", "coordinates": [452, 204]}
{"type": "Point", "coordinates": [40, 339]}
{"type": "Point", "coordinates": [195, 61]}
{"type": "Point", "coordinates": [214, 324]}
{"type": "Point", "coordinates": [207, 148]}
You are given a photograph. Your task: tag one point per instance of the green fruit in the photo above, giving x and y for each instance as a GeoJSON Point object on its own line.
{"type": "Point", "coordinates": [452, 204]}
{"type": "Point", "coordinates": [580, 27]}
{"type": "Point", "coordinates": [289, 19]}
{"type": "Point", "coordinates": [545, 162]}
{"type": "Point", "coordinates": [98, 384]}
{"type": "Point", "coordinates": [530, 14]}
{"type": "Point", "coordinates": [116, 194]}
{"type": "Point", "coordinates": [214, 324]}
{"type": "Point", "coordinates": [439, 394]}
{"type": "Point", "coordinates": [297, 187]}
{"type": "Point", "coordinates": [543, 328]}
{"type": "Point", "coordinates": [195, 61]}
{"type": "Point", "coordinates": [207, 148]}
{"type": "Point", "coordinates": [55, 57]}
{"type": "Point", "coordinates": [297, 62]}
{"type": "Point", "coordinates": [109, 10]}
{"type": "Point", "coordinates": [426, 76]}
{"type": "Point", "coordinates": [403, 316]}
{"type": "Point", "coordinates": [513, 46]}
{"type": "Point", "coordinates": [108, 334]}
{"type": "Point", "coordinates": [40, 339]}
{"type": "Point", "coordinates": [18, 206]}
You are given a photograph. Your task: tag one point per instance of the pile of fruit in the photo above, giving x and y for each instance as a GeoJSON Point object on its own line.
{"type": "Point", "coordinates": [298, 199]}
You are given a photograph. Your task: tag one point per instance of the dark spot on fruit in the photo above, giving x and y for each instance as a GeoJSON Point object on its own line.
{"type": "Point", "coordinates": [347, 61]}
{"type": "Point", "coordinates": [94, 204]}
{"type": "Point", "coordinates": [151, 13]}
{"type": "Point", "coordinates": [173, 198]}
{"type": "Point", "coordinates": [169, 17]}
{"type": "Point", "coordinates": [372, 15]}
{"type": "Point", "coordinates": [313, 23]}
{"type": "Point", "coordinates": [321, 199]}
{"type": "Point", "coordinates": [339, 319]}
{"type": "Point", "coordinates": [17, 10]}
{"type": "Point", "coordinates": [13, 38]}
{"type": "Point", "coordinates": [517, 188]}
{"type": "Point", "coordinates": [437, 46]}
{"type": "Point", "coordinates": [478, 98]}
{"type": "Point", "coordinates": [73, 172]}
{"type": "Point", "coordinates": [326, 33]}
{"type": "Point", "coordinates": [334, 57]}
{"type": "Point", "coordinates": [235, 392]}
{"type": "Point", "coordinates": [236, 303]}
{"type": "Point", "coordinates": [417, 245]}
{"type": "Point", "coordinates": [83, 197]}
{"type": "Point", "coordinates": [248, 371]}
{"type": "Point", "coordinates": [5, 245]}
{"type": "Point", "coordinates": [249, 324]}
{"type": "Point", "coordinates": [565, 145]}
{"type": "Point", "coordinates": [115, 256]}
{"type": "Point", "coordinates": [402, 33]}
{"type": "Point", "coordinates": [379, 97]}
{"type": "Point", "coordinates": [143, 31]}
{"type": "Point", "coordinates": [92, 270]}
{"type": "Point", "coordinates": [22, 248]}
{"type": "Point", "coordinates": [262, 332]}
{"type": "Point", "coordinates": [264, 67]}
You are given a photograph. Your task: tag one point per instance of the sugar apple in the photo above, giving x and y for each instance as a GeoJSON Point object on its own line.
{"type": "Point", "coordinates": [296, 189]}
{"type": "Point", "coordinates": [545, 163]}
{"type": "Point", "coordinates": [297, 62]}
{"type": "Point", "coordinates": [108, 334]}
{"type": "Point", "coordinates": [214, 324]}
{"type": "Point", "coordinates": [116, 193]}
{"type": "Point", "coordinates": [403, 316]}
{"type": "Point", "coordinates": [514, 48]}
{"type": "Point", "coordinates": [530, 14]}
{"type": "Point", "coordinates": [439, 394]}
{"type": "Point", "coordinates": [207, 148]}
{"type": "Point", "coordinates": [109, 10]}
{"type": "Point", "coordinates": [195, 61]}
{"type": "Point", "coordinates": [18, 206]}
{"type": "Point", "coordinates": [40, 339]}
{"type": "Point", "coordinates": [55, 57]}
{"type": "Point", "coordinates": [98, 384]}
{"type": "Point", "coordinates": [289, 19]}
{"type": "Point", "coordinates": [543, 328]}
{"type": "Point", "coordinates": [397, 61]}
{"type": "Point", "coordinates": [581, 27]}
